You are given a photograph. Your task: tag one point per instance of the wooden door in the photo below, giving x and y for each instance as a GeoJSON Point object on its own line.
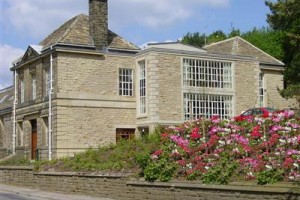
{"type": "Point", "coordinates": [34, 145]}
{"type": "Point", "coordinates": [34, 140]}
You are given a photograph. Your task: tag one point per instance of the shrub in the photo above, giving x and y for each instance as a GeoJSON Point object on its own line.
{"type": "Point", "coordinates": [265, 148]}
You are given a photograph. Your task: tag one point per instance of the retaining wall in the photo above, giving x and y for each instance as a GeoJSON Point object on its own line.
{"type": "Point", "coordinates": [121, 186]}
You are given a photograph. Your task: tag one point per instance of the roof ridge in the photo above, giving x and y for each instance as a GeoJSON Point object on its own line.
{"type": "Point", "coordinates": [123, 39]}
{"type": "Point", "coordinates": [71, 27]}
{"type": "Point", "coordinates": [57, 29]}
{"type": "Point", "coordinates": [222, 41]}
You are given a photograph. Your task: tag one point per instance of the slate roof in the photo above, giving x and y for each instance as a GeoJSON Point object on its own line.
{"type": "Point", "coordinates": [239, 46]}
{"type": "Point", "coordinates": [76, 32]}
{"type": "Point", "coordinates": [175, 46]}
{"type": "Point", "coordinates": [6, 98]}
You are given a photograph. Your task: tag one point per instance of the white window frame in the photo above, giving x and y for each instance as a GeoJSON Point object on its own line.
{"type": "Point", "coordinates": [142, 88]}
{"type": "Point", "coordinates": [125, 82]}
{"type": "Point", "coordinates": [47, 81]}
{"type": "Point", "coordinates": [22, 90]}
{"type": "Point", "coordinates": [198, 105]}
{"type": "Point", "coordinates": [261, 90]}
{"type": "Point", "coordinates": [207, 73]}
{"type": "Point", "coordinates": [33, 86]}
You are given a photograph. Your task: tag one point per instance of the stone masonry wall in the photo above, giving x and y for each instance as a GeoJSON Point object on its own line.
{"type": "Point", "coordinates": [170, 90]}
{"type": "Point", "coordinates": [6, 127]}
{"type": "Point", "coordinates": [273, 82]}
{"type": "Point", "coordinates": [91, 74]}
{"type": "Point", "coordinates": [246, 85]}
{"type": "Point", "coordinates": [80, 128]}
{"type": "Point", "coordinates": [164, 87]}
{"type": "Point", "coordinates": [121, 187]}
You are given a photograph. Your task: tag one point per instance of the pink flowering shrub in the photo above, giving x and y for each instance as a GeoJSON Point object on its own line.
{"type": "Point", "coordinates": [265, 149]}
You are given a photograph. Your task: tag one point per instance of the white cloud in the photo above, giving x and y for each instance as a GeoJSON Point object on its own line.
{"type": "Point", "coordinates": [37, 18]}
{"type": "Point", "coordinates": [8, 55]}
{"type": "Point", "coordinates": [157, 14]}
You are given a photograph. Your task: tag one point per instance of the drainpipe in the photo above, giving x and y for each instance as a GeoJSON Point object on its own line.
{"type": "Point", "coordinates": [14, 113]}
{"type": "Point", "coordinates": [50, 107]}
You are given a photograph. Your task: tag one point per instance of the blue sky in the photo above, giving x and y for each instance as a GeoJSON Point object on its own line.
{"type": "Point", "coordinates": [25, 22]}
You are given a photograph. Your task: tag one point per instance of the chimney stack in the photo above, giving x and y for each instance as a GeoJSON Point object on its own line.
{"type": "Point", "coordinates": [98, 12]}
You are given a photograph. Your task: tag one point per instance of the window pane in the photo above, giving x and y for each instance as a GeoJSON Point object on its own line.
{"type": "Point", "coordinates": [125, 82]}
{"type": "Point", "coordinates": [206, 105]}
{"type": "Point", "coordinates": [204, 73]}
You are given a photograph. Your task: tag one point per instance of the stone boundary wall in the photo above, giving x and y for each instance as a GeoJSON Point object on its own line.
{"type": "Point", "coordinates": [121, 186]}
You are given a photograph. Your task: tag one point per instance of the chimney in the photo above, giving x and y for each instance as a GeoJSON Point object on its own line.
{"type": "Point", "coordinates": [98, 11]}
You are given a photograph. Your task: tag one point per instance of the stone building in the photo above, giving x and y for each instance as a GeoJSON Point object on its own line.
{"type": "Point", "coordinates": [6, 123]}
{"type": "Point", "coordinates": [85, 86]}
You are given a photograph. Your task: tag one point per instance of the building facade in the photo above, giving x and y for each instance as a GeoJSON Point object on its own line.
{"type": "Point", "coordinates": [85, 86]}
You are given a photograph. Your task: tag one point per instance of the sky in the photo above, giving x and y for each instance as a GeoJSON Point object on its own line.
{"type": "Point", "coordinates": [26, 22]}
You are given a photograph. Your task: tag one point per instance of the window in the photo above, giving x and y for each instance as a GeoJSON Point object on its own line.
{"type": "Point", "coordinates": [22, 90]}
{"type": "Point", "coordinates": [47, 81]}
{"type": "Point", "coordinates": [207, 73]}
{"type": "Point", "coordinates": [19, 139]}
{"type": "Point", "coordinates": [125, 82]}
{"type": "Point", "coordinates": [33, 86]}
{"type": "Point", "coordinates": [261, 90]}
{"type": "Point", "coordinates": [142, 88]}
{"type": "Point", "coordinates": [207, 105]}
{"type": "Point", "coordinates": [124, 134]}
{"type": "Point", "coordinates": [1, 132]}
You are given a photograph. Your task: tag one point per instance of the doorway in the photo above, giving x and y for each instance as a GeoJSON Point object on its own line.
{"type": "Point", "coordinates": [34, 152]}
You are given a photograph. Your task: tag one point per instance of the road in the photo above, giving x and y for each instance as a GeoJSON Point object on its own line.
{"type": "Point", "coordinates": [8, 192]}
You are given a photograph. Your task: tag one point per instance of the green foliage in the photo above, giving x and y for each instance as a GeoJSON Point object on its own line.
{"type": "Point", "coordinates": [161, 169]}
{"type": "Point", "coordinates": [269, 176]}
{"type": "Point", "coordinates": [285, 18]}
{"type": "Point", "coordinates": [128, 155]}
{"type": "Point", "coordinates": [216, 36]}
{"type": "Point", "coordinates": [142, 159]}
{"type": "Point", "coordinates": [292, 91]}
{"type": "Point", "coordinates": [196, 39]}
{"type": "Point", "coordinates": [222, 172]}
{"type": "Point", "coordinates": [267, 40]}
{"type": "Point", "coordinates": [16, 162]}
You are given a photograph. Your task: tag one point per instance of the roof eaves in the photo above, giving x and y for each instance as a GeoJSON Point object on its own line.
{"type": "Point", "coordinates": [195, 53]}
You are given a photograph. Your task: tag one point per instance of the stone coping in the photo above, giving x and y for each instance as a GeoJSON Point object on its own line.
{"type": "Point", "coordinates": [85, 174]}
{"type": "Point", "coordinates": [29, 168]}
{"type": "Point", "coordinates": [280, 188]}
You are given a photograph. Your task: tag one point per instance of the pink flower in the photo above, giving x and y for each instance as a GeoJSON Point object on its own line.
{"type": "Point", "coordinates": [288, 113]}
{"type": "Point", "coordinates": [181, 162]}
{"type": "Point", "coordinates": [215, 119]}
{"type": "Point", "coordinates": [292, 152]}
{"type": "Point", "coordinates": [255, 132]}
{"type": "Point", "coordinates": [179, 140]}
{"type": "Point", "coordinates": [276, 128]}
{"type": "Point", "coordinates": [195, 134]}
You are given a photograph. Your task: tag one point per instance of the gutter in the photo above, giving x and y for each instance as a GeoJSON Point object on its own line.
{"type": "Point", "coordinates": [14, 112]}
{"type": "Point", "coordinates": [50, 108]}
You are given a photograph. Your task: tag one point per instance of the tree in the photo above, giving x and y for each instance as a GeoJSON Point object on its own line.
{"type": "Point", "coordinates": [195, 39]}
{"type": "Point", "coordinates": [267, 40]}
{"type": "Point", "coordinates": [285, 17]}
{"type": "Point", "coordinates": [216, 36]}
